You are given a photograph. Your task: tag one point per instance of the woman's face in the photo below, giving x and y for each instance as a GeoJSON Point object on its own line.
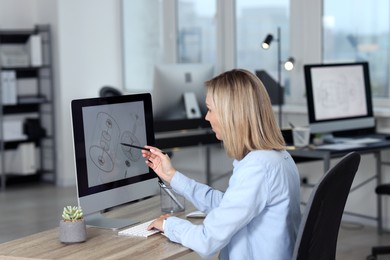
{"type": "Point", "coordinates": [211, 116]}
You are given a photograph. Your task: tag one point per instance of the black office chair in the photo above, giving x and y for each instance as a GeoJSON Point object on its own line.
{"type": "Point", "coordinates": [108, 91]}
{"type": "Point", "coordinates": [383, 189]}
{"type": "Point", "coordinates": [319, 228]}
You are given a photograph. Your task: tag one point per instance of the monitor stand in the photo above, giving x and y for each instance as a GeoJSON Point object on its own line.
{"type": "Point", "coordinates": [100, 221]}
{"type": "Point", "coordinates": [191, 105]}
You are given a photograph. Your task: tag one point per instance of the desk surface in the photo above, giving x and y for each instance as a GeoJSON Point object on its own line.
{"type": "Point", "coordinates": [318, 153]}
{"type": "Point", "coordinates": [308, 154]}
{"type": "Point", "coordinates": [102, 243]}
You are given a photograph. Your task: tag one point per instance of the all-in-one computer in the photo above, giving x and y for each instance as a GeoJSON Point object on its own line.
{"type": "Point", "coordinates": [339, 98]}
{"type": "Point", "coordinates": [179, 95]}
{"type": "Point", "coordinates": [108, 173]}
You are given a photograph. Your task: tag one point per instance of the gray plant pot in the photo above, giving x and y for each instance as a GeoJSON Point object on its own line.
{"type": "Point", "coordinates": [73, 232]}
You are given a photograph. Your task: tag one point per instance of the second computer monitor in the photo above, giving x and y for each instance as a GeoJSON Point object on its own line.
{"type": "Point", "coordinates": [339, 97]}
{"type": "Point", "coordinates": [179, 92]}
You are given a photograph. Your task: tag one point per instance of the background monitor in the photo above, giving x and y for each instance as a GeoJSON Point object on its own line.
{"type": "Point", "coordinates": [109, 174]}
{"type": "Point", "coordinates": [179, 95]}
{"type": "Point", "coordinates": [339, 97]}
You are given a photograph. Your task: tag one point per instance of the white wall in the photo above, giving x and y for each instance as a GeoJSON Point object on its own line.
{"type": "Point", "coordinates": [89, 57]}
{"type": "Point", "coordinates": [16, 14]}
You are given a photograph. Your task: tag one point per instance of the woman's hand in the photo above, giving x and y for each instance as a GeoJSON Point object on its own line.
{"type": "Point", "coordinates": [158, 223]}
{"type": "Point", "coordinates": [159, 162]}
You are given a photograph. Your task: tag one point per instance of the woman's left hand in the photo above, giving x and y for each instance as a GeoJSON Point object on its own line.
{"type": "Point", "coordinates": [158, 223]}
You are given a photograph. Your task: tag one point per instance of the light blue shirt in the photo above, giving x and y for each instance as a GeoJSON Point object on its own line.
{"type": "Point", "coordinates": [257, 217]}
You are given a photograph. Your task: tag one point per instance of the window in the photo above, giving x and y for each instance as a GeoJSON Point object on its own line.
{"type": "Point", "coordinates": [185, 31]}
{"type": "Point", "coordinates": [182, 31]}
{"type": "Point", "coordinates": [142, 42]}
{"type": "Point", "coordinates": [254, 20]}
{"type": "Point", "coordinates": [196, 31]}
{"type": "Point", "coordinates": [363, 37]}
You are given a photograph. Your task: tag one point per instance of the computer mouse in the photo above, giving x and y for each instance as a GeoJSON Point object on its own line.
{"type": "Point", "coordinates": [196, 214]}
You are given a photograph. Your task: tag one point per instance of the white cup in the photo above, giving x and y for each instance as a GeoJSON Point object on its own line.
{"type": "Point", "coordinates": [301, 136]}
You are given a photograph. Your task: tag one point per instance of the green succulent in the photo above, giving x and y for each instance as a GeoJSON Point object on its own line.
{"type": "Point", "coordinates": [72, 213]}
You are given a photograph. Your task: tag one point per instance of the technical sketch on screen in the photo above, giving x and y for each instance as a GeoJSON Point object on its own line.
{"type": "Point", "coordinates": [100, 153]}
{"type": "Point", "coordinates": [338, 92]}
{"type": "Point", "coordinates": [105, 128]}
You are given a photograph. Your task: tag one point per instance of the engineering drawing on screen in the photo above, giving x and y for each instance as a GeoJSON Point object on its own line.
{"type": "Point", "coordinates": [338, 94]}
{"type": "Point", "coordinates": [105, 130]}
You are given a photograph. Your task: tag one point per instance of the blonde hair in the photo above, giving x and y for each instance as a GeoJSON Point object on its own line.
{"type": "Point", "coordinates": [244, 111]}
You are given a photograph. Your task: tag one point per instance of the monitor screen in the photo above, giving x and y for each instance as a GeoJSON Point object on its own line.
{"type": "Point", "coordinates": [339, 97]}
{"type": "Point", "coordinates": [179, 95]}
{"type": "Point", "coordinates": [108, 173]}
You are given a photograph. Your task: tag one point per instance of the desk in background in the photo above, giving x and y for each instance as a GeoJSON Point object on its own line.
{"type": "Point", "coordinates": [306, 154]}
{"type": "Point", "coordinates": [103, 243]}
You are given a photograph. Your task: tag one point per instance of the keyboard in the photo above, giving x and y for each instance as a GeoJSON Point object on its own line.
{"type": "Point", "coordinates": [139, 230]}
{"type": "Point", "coordinates": [350, 143]}
{"type": "Point", "coordinates": [339, 146]}
{"type": "Point", "coordinates": [365, 140]}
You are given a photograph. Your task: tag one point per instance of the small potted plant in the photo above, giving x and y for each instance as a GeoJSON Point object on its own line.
{"type": "Point", "coordinates": [72, 225]}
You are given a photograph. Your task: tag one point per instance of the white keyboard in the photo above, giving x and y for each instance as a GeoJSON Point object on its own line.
{"type": "Point", "coordinates": [339, 146]}
{"type": "Point", "coordinates": [365, 140]}
{"type": "Point", "coordinates": [139, 230]}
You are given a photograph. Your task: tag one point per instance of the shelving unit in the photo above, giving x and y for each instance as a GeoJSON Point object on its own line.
{"type": "Point", "coordinates": [34, 110]}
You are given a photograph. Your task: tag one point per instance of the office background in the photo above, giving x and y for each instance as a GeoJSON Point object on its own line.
{"type": "Point", "coordinates": [88, 54]}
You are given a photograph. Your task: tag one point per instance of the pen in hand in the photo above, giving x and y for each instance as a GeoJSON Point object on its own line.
{"type": "Point", "coordinates": [146, 149]}
{"type": "Point", "coordinates": [160, 181]}
{"type": "Point", "coordinates": [138, 147]}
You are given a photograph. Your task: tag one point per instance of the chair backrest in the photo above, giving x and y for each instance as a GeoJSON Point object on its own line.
{"type": "Point", "coordinates": [319, 228]}
{"type": "Point", "coordinates": [108, 91]}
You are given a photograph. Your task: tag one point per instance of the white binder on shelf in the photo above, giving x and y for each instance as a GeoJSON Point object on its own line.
{"type": "Point", "coordinates": [22, 160]}
{"type": "Point", "coordinates": [34, 47]}
{"type": "Point", "coordinates": [8, 87]}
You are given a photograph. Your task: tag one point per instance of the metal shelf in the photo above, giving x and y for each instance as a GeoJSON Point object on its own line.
{"type": "Point", "coordinates": [42, 107]}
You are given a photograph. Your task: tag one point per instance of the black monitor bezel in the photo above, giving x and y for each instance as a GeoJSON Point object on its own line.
{"type": "Point", "coordinates": [79, 141]}
{"type": "Point", "coordinates": [310, 96]}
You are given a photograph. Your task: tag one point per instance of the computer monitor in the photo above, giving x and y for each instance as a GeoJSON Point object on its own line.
{"type": "Point", "coordinates": [339, 97]}
{"type": "Point", "coordinates": [109, 174]}
{"type": "Point", "coordinates": [179, 95]}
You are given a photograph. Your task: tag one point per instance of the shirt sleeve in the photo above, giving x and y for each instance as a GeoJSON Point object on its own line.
{"type": "Point", "coordinates": [202, 196]}
{"type": "Point", "coordinates": [245, 198]}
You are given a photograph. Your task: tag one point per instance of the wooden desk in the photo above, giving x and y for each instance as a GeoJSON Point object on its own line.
{"type": "Point", "coordinates": [103, 243]}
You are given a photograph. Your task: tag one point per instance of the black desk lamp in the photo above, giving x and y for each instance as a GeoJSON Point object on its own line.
{"type": "Point", "coordinates": [288, 65]}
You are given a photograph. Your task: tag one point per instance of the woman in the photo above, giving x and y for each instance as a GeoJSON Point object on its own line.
{"type": "Point", "coordinates": [258, 215]}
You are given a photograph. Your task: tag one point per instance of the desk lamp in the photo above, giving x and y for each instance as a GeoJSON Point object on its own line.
{"type": "Point", "coordinates": [288, 65]}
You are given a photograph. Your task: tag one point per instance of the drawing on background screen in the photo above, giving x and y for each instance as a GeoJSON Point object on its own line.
{"type": "Point", "coordinates": [112, 159]}
{"type": "Point", "coordinates": [338, 94]}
